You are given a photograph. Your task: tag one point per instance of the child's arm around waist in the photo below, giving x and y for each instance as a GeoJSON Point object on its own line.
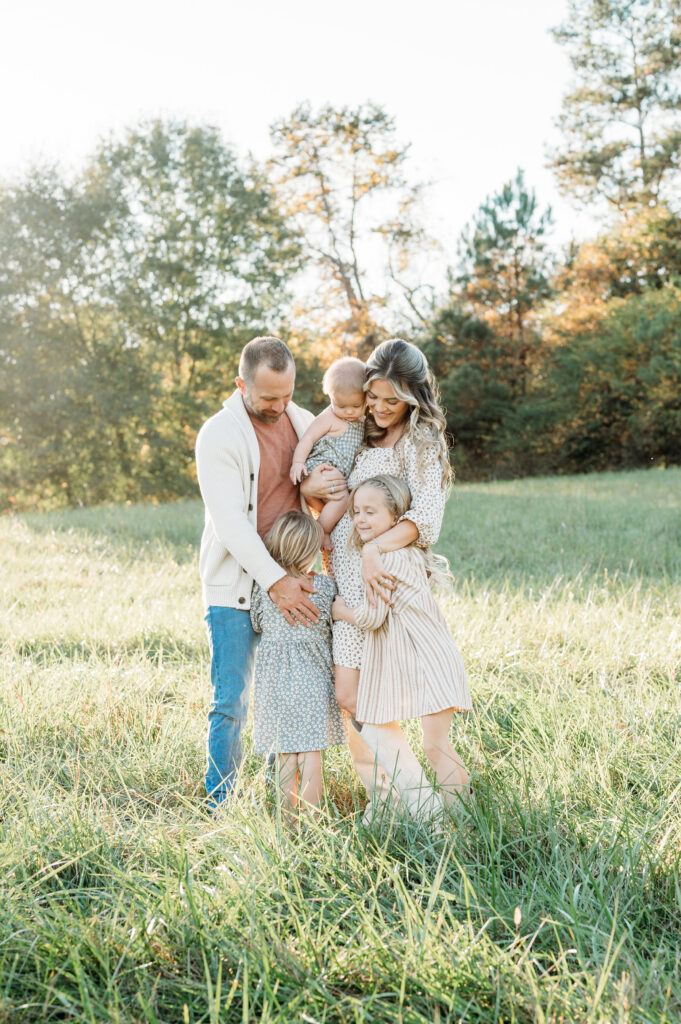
{"type": "Point", "coordinates": [365, 616]}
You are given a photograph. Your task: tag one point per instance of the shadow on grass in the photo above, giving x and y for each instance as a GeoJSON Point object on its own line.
{"type": "Point", "coordinates": [172, 530]}
{"type": "Point", "coordinates": [525, 533]}
{"type": "Point", "coordinates": [158, 648]}
{"type": "Point", "coordinates": [531, 538]}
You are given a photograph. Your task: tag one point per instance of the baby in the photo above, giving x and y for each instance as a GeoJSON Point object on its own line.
{"type": "Point", "coordinates": [335, 435]}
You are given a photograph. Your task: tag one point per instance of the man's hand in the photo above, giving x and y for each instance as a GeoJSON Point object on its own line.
{"type": "Point", "coordinates": [325, 482]}
{"type": "Point", "coordinates": [288, 594]}
{"type": "Point", "coordinates": [377, 580]}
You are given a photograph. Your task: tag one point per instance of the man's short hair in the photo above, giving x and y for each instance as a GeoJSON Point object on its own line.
{"type": "Point", "coordinates": [271, 351]}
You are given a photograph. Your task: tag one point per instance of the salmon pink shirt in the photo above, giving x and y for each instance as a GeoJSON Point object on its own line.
{"type": "Point", "coordinates": [276, 494]}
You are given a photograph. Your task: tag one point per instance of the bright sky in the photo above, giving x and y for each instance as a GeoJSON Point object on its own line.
{"type": "Point", "coordinates": [474, 84]}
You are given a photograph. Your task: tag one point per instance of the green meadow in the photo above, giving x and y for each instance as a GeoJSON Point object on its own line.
{"type": "Point", "coordinates": [555, 898]}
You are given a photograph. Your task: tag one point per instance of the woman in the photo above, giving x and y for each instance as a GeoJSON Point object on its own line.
{"type": "Point", "coordinates": [404, 437]}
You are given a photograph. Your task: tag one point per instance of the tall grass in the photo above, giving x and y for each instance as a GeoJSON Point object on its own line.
{"type": "Point", "coordinates": [557, 898]}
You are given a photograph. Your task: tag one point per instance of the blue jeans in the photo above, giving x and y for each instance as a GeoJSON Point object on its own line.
{"type": "Point", "coordinates": [233, 643]}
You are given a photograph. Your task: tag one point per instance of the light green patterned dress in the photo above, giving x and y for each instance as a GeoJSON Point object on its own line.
{"type": "Point", "coordinates": [294, 705]}
{"type": "Point", "coordinates": [338, 451]}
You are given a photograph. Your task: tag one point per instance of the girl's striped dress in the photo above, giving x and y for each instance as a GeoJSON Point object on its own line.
{"type": "Point", "coordinates": [410, 665]}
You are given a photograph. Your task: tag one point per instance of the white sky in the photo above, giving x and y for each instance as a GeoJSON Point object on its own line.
{"type": "Point", "coordinates": [474, 86]}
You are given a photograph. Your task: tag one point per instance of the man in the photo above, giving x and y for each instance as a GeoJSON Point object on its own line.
{"type": "Point", "coordinates": [243, 458]}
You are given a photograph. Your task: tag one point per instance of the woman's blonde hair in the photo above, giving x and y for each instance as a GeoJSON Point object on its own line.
{"type": "Point", "coordinates": [405, 368]}
{"type": "Point", "coordinates": [294, 541]}
{"type": "Point", "coordinates": [397, 497]}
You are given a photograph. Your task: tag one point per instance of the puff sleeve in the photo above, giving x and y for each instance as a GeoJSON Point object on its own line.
{"type": "Point", "coordinates": [423, 473]}
{"type": "Point", "coordinates": [368, 617]}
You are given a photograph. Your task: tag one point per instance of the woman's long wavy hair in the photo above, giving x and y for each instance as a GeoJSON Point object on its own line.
{"type": "Point", "coordinates": [405, 368]}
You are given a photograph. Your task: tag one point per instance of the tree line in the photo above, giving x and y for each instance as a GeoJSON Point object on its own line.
{"type": "Point", "coordinates": [128, 290]}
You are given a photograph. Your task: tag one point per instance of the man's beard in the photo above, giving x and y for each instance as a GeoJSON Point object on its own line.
{"type": "Point", "coordinates": [262, 417]}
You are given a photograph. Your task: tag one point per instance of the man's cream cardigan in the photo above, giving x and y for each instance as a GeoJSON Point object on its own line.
{"type": "Point", "coordinates": [227, 460]}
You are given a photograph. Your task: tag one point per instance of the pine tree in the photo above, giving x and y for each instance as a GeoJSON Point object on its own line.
{"type": "Point", "coordinates": [504, 271]}
{"type": "Point", "coordinates": [621, 121]}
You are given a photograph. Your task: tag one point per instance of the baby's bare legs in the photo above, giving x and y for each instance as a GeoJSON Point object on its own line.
{"type": "Point", "coordinates": [447, 765]}
{"type": "Point", "coordinates": [330, 515]}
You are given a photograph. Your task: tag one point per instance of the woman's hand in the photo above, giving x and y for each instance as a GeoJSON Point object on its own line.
{"type": "Point", "coordinates": [377, 580]}
{"type": "Point", "coordinates": [340, 611]}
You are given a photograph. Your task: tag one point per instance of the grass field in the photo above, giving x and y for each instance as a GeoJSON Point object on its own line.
{"type": "Point", "coordinates": [557, 900]}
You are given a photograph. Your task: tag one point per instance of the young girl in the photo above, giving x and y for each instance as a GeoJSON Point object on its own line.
{"type": "Point", "coordinates": [295, 710]}
{"type": "Point", "coordinates": [335, 435]}
{"type": "Point", "coordinates": [411, 667]}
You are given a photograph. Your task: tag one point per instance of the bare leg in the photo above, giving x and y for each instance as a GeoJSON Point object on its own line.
{"type": "Point", "coordinates": [370, 773]}
{"type": "Point", "coordinates": [393, 753]}
{"type": "Point", "coordinates": [347, 684]}
{"type": "Point", "coordinates": [310, 767]}
{"type": "Point", "coordinates": [446, 763]}
{"type": "Point", "coordinates": [287, 765]}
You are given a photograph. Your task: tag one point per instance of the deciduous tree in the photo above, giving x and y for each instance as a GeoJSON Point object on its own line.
{"type": "Point", "coordinates": [125, 298]}
{"type": "Point", "coordinates": [342, 182]}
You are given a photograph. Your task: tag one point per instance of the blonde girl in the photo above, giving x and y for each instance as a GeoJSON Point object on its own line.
{"type": "Point", "coordinates": [334, 436]}
{"type": "Point", "coordinates": [411, 667]}
{"type": "Point", "coordinates": [295, 711]}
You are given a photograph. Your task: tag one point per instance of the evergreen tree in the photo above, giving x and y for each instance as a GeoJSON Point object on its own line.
{"type": "Point", "coordinates": [621, 121]}
{"type": "Point", "coordinates": [504, 273]}
{"type": "Point", "coordinates": [467, 360]}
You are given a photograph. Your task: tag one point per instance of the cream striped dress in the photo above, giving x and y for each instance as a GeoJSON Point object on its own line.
{"type": "Point", "coordinates": [411, 666]}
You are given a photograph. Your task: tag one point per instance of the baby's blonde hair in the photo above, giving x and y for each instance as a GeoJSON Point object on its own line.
{"type": "Point", "coordinates": [397, 497]}
{"type": "Point", "coordinates": [344, 375]}
{"type": "Point", "coordinates": [294, 541]}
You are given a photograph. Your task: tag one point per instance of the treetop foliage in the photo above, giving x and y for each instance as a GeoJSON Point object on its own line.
{"type": "Point", "coordinates": [341, 181]}
{"type": "Point", "coordinates": [125, 298]}
{"type": "Point", "coordinates": [621, 121]}
{"type": "Point", "coordinates": [128, 290]}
